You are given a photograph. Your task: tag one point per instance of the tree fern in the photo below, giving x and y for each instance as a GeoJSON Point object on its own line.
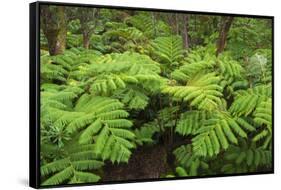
{"type": "Point", "coordinates": [103, 123]}
{"type": "Point", "coordinates": [148, 24]}
{"type": "Point", "coordinates": [145, 133]}
{"type": "Point", "coordinates": [190, 121]}
{"type": "Point", "coordinates": [168, 49]}
{"type": "Point", "coordinates": [136, 89]}
{"type": "Point", "coordinates": [218, 132]}
{"type": "Point", "coordinates": [230, 68]}
{"type": "Point", "coordinates": [246, 101]}
{"type": "Point", "coordinates": [201, 91]}
{"type": "Point", "coordinates": [263, 117]}
{"type": "Point", "coordinates": [120, 70]}
{"type": "Point", "coordinates": [246, 158]}
{"type": "Point", "coordinates": [189, 164]}
{"type": "Point", "coordinates": [71, 168]}
{"type": "Point", "coordinates": [133, 97]}
{"type": "Point", "coordinates": [192, 66]}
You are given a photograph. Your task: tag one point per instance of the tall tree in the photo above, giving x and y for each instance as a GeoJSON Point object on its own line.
{"type": "Point", "coordinates": [185, 37]}
{"type": "Point", "coordinates": [53, 22]}
{"type": "Point", "coordinates": [173, 21]}
{"type": "Point", "coordinates": [87, 17]}
{"type": "Point", "coordinates": [225, 26]}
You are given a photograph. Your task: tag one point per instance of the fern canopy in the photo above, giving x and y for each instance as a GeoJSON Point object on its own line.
{"type": "Point", "coordinates": [143, 95]}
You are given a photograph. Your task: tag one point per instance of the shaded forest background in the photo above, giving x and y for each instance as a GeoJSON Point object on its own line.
{"type": "Point", "coordinates": [131, 95]}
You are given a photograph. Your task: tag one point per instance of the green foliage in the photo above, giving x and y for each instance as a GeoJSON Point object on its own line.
{"type": "Point", "coordinates": [246, 158]}
{"type": "Point", "coordinates": [145, 133]}
{"type": "Point", "coordinates": [218, 132]}
{"type": "Point", "coordinates": [138, 89]}
{"type": "Point", "coordinates": [189, 163]}
{"type": "Point", "coordinates": [246, 101]}
{"type": "Point", "coordinates": [202, 91]}
{"type": "Point", "coordinates": [149, 25]}
{"type": "Point", "coordinates": [245, 36]}
{"type": "Point", "coordinates": [259, 67]}
{"type": "Point", "coordinates": [72, 167]}
{"type": "Point", "coordinates": [168, 49]}
{"type": "Point", "coordinates": [190, 121]}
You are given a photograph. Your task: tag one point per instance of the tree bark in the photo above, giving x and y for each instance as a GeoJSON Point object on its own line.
{"type": "Point", "coordinates": [225, 27]}
{"type": "Point", "coordinates": [177, 23]}
{"type": "Point", "coordinates": [173, 22]}
{"type": "Point", "coordinates": [153, 17]}
{"type": "Point", "coordinates": [53, 22]}
{"type": "Point", "coordinates": [88, 21]}
{"type": "Point", "coordinates": [86, 40]}
{"type": "Point", "coordinates": [185, 31]}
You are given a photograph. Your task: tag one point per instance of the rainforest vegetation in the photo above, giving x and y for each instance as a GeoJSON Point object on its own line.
{"type": "Point", "coordinates": [130, 95]}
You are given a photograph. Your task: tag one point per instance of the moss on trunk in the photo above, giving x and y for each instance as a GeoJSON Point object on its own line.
{"type": "Point", "coordinates": [53, 23]}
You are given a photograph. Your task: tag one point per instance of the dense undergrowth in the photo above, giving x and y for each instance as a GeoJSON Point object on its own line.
{"type": "Point", "coordinates": [137, 104]}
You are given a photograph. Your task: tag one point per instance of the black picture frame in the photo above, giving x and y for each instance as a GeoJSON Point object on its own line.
{"type": "Point", "coordinates": [34, 90]}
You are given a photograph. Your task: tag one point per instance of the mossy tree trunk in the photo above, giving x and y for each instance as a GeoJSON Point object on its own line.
{"type": "Point", "coordinates": [53, 23]}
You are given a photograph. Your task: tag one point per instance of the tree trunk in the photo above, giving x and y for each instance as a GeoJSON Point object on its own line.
{"type": "Point", "coordinates": [153, 17]}
{"type": "Point", "coordinates": [53, 23]}
{"type": "Point", "coordinates": [177, 23]}
{"type": "Point", "coordinates": [86, 40]}
{"type": "Point", "coordinates": [185, 31]}
{"type": "Point", "coordinates": [173, 22]}
{"type": "Point", "coordinates": [88, 21]}
{"type": "Point", "coordinates": [225, 26]}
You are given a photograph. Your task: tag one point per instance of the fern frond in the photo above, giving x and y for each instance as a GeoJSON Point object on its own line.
{"type": "Point", "coordinates": [114, 144]}
{"type": "Point", "coordinates": [134, 98]}
{"type": "Point", "coordinates": [190, 121]}
{"type": "Point", "coordinates": [145, 133]}
{"type": "Point", "coordinates": [229, 68]}
{"type": "Point", "coordinates": [194, 64]}
{"type": "Point", "coordinates": [59, 177]}
{"type": "Point", "coordinates": [181, 172]}
{"type": "Point", "coordinates": [189, 163]}
{"type": "Point", "coordinates": [202, 92]}
{"type": "Point", "coordinates": [263, 113]}
{"type": "Point", "coordinates": [217, 133]}
{"type": "Point", "coordinates": [55, 166]}
{"type": "Point", "coordinates": [79, 158]}
{"type": "Point", "coordinates": [168, 49]}
{"type": "Point", "coordinates": [263, 117]}
{"type": "Point", "coordinates": [246, 101]}
{"type": "Point", "coordinates": [85, 177]}
{"type": "Point", "coordinates": [246, 158]}
{"type": "Point", "coordinates": [86, 164]}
